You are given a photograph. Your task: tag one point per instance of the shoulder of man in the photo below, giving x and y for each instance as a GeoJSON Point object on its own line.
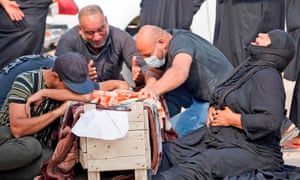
{"type": "Point", "coordinates": [30, 78]}
{"type": "Point", "coordinates": [72, 33]}
{"type": "Point", "coordinates": [117, 33]}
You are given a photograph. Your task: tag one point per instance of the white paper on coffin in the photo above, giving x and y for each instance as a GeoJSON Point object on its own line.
{"type": "Point", "coordinates": [108, 125]}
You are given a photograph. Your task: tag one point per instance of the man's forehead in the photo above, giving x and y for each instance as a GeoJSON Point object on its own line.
{"type": "Point", "coordinates": [92, 20]}
{"type": "Point", "coordinates": [92, 25]}
{"type": "Point", "coordinates": [145, 49]}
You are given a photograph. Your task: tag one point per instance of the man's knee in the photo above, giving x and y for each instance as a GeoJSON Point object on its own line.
{"type": "Point", "coordinates": [32, 145]}
{"type": "Point", "coordinates": [4, 134]}
{"type": "Point", "coordinates": [19, 152]}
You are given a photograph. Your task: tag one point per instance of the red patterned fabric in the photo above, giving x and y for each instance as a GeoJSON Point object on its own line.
{"type": "Point", "coordinates": [111, 98]}
{"type": "Point", "coordinates": [65, 155]}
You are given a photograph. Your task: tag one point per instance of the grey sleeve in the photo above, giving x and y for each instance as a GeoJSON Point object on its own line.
{"type": "Point", "coordinates": [65, 44]}
{"type": "Point", "coordinates": [129, 50]}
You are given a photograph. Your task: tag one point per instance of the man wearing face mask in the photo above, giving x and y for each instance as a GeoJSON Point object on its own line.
{"type": "Point", "coordinates": [190, 66]}
{"type": "Point", "coordinates": [106, 47]}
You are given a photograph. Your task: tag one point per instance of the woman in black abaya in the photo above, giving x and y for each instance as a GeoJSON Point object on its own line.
{"type": "Point", "coordinates": [244, 120]}
{"type": "Point", "coordinates": [238, 22]}
{"type": "Point", "coordinates": [293, 28]}
{"type": "Point", "coordinates": [22, 33]}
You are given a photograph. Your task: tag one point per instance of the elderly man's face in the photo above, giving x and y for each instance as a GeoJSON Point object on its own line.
{"type": "Point", "coordinates": [262, 39]}
{"type": "Point", "coordinates": [94, 29]}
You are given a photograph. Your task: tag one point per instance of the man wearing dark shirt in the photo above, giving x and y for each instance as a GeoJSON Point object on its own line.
{"type": "Point", "coordinates": [191, 68]}
{"type": "Point", "coordinates": [106, 47]}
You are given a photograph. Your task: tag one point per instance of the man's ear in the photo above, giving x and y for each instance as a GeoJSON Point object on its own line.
{"type": "Point", "coordinates": [106, 20]}
{"type": "Point", "coordinates": [162, 43]}
{"type": "Point", "coordinates": [55, 76]}
{"type": "Point", "coordinates": [79, 30]}
{"type": "Point", "coordinates": [161, 40]}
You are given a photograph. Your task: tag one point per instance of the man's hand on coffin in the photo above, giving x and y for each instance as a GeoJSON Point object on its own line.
{"type": "Point", "coordinates": [148, 92]}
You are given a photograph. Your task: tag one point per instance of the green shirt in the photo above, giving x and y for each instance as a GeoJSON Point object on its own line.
{"type": "Point", "coordinates": [25, 85]}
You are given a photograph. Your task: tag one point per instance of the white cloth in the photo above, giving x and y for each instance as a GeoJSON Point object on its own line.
{"type": "Point", "coordinates": [104, 124]}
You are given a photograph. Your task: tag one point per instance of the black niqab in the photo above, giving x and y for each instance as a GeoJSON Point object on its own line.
{"type": "Point", "coordinates": [277, 55]}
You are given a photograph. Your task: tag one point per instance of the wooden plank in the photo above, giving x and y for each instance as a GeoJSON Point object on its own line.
{"type": "Point", "coordinates": [136, 120]}
{"type": "Point", "coordinates": [133, 152]}
{"type": "Point", "coordinates": [141, 174]}
{"type": "Point", "coordinates": [83, 159]}
{"type": "Point", "coordinates": [137, 106]}
{"type": "Point", "coordinates": [133, 144]}
{"type": "Point", "coordinates": [291, 156]}
{"type": "Point", "coordinates": [120, 163]}
{"type": "Point", "coordinates": [82, 144]}
{"type": "Point", "coordinates": [148, 148]}
{"type": "Point", "coordinates": [94, 175]}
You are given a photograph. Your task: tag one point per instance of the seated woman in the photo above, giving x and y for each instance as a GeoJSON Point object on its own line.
{"type": "Point", "coordinates": [244, 120]}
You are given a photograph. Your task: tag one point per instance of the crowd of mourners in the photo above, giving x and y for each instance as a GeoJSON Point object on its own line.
{"type": "Point", "coordinates": [225, 99]}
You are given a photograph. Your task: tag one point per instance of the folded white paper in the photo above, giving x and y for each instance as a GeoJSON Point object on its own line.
{"type": "Point", "coordinates": [105, 124]}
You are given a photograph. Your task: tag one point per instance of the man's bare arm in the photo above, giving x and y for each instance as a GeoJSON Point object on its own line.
{"type": "Point", "coordinates": [56, 94]}
{"type": "Point", "coordinates": [22, 125]}
{"type": "Point", "coordinates": [176, 75]}
{"type": "Point", "coordinates": [110, 85]}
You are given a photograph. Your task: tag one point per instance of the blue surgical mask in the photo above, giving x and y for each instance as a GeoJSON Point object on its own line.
{"type": "Point", "coordinates": [154, 61]}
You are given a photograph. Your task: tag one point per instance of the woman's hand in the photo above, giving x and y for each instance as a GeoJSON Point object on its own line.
{"type": "Point", "coordinates": [221, 117]}
{"type": "Point", "coordinates": [12, 9]}
{"type": "Point", "coordinates": [225, 117]}
{"type": "Point", "coordinates": [211, 112]}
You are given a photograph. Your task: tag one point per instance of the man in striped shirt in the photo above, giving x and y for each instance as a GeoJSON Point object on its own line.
{"type": "Point", "coordinates": [25, 138]}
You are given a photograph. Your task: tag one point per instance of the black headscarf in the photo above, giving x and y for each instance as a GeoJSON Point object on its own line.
{"type": "Point", "coordinates": [277, 55]}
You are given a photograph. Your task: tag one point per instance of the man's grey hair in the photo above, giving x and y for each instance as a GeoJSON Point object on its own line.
{"type": "Point", "coordinates": [89, 10]}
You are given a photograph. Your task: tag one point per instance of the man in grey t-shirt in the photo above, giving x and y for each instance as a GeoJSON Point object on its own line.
{"type": "Point", "coordinates": [191, 68]}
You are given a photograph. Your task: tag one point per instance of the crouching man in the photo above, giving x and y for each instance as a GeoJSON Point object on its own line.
{"type": "Point", "coordinates": [25, 139]}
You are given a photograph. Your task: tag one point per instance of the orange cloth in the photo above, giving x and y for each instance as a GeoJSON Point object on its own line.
{"type": "Point", "coordinates": [111, 98]}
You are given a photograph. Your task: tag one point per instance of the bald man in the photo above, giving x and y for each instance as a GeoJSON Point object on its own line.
{"type": "Point", "coordinates": [190, 69]}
